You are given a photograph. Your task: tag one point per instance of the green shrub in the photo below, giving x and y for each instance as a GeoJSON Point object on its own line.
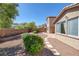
{"type": "Point", "coordinates": [33, 43]}
{"type": "Point", "coordinates": [34, 32]}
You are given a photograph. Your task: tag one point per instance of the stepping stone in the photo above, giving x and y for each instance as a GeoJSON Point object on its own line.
{"type": "Point", "coordinates": [54, 50]}
{"type": "Point", "coordinates": [57, 53]}
{"type": "Point", "coordinates": [49, 46]}
{"type": "Point", "coordinates": [45, 39]}
{"type": "Point", "coordinates": [47, 42]}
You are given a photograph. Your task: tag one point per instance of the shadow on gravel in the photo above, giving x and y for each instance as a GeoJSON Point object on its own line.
{"type": "Point", "coordinates": [13, 52]}
{"type": "Point", "coordinates": [46, 52]}
{"type": "Point", "coordinates": [4, 39]}
{"type": "Point", "coordinates": [10, 51]}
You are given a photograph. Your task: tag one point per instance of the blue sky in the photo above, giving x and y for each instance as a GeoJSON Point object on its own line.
{"type": "Point", "coordinates": [37, 12]}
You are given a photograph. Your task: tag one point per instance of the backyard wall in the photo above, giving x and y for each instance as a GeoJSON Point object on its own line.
{"type": "Point", "coordinates": [42, 29]}
{"type": "Point", "coordinates": [11, 32]}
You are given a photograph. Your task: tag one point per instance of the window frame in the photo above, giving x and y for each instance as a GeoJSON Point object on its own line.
{"type": "Point", "coordinates": [66, 34]}
{"type": "Point", "coordinates": [56, 28]}
{"type": "Point", "coordinates": [60, 26]}
{"type": "Point", "coordinates": [67, 25]}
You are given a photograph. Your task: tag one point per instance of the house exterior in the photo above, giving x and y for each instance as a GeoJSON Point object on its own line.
{"type": "Point", "coordinates": [50, 24]}
{"type": "Point", "coordinates": [67, 26]}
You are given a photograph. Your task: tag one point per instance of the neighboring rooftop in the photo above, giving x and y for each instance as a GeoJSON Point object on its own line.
{"type": "Point", "coordinates": [51, 17]}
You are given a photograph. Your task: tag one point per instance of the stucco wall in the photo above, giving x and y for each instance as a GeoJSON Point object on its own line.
{"type": "Point", "coordinates": [70, 14]}
{"type": "Point", "coordinates": [50, 25]}
{"type": "Point", "coordinates": [70, 41]}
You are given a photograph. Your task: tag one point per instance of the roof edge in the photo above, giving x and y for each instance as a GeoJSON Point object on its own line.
{"type": "Point", "coordinates": [50, 17]}
{"type": "Point", "coordinates": [65, 9]}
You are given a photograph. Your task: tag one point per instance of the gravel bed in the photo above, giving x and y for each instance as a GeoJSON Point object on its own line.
{"type": "Point", "coordinates": [19, 51]}
{"type": "Point", "coordinates": [12, 51]}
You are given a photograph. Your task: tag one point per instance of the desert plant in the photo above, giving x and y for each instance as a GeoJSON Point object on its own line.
{"type": "Point", "coordinates": [33, 43]}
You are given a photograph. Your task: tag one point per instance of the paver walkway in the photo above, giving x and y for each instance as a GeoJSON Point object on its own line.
{"type": "Point", "coordinates": [63, 48]}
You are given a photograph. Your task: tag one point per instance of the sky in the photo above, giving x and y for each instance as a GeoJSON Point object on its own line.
{"type": "Point", "coordinates": [37, 12]}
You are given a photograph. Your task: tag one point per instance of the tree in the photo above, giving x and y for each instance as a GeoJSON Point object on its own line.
{"type": "Point", "coordinates": [19, 27]}
{"type": "Point", "coordinates": [8, 12]}
{"type": "Point", "coordinates": [31, 26]}
{"type": "Point", "coordinates": [43, 25]}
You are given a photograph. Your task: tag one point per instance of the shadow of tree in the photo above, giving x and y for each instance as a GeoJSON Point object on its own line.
{"type": "Point", "coordinates": [13, 51]}
{"type": "Point", "coordinates": [10, 51]}
{"type": "Point", "coordinates": [46, 52]}
{"type": "Point", "coordinates": [10, 38]}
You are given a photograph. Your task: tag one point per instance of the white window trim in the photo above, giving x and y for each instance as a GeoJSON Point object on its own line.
{"type": "Point", "coordinates": [77, 37]}
{"type": "Point", "coordinates": [55, 28]}
{"type": "Point", "coordinates": [78, 26]}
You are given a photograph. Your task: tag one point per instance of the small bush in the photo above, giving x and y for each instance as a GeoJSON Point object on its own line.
{"type": "Point", "coordinates": [34, 32]}
{"type": "Point", "coordinates": [33, 43]}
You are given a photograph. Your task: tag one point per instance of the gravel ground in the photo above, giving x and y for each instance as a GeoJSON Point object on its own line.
{"type": "Point", "coordinates": [11, 48]}
{"type": "Point", "coordinates": [19, 51]}
{"type": "Point", "coordinates": [15, 48]}
{"type": "Point", "coordinates": [12, 51]}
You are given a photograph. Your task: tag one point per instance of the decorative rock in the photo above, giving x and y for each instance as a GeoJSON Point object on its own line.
{"type": "Point", "coordinates": [54, 50]}
{"type": "Point", "coordinates": [49, 46]}
{"type": "Point", "coordinates": [24, 54]}
{"type": "Point", "coordinates": [57, 54]}
{"type": "Point", "coordinates": [47, 42]}
{"type": "Point", "coordinates": [18, 52]}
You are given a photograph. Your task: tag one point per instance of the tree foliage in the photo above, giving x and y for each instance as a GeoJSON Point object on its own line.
{"type": "Point", "coordinates": [8, 11]}
{"type": "Point", "coordinates": [29, 26]}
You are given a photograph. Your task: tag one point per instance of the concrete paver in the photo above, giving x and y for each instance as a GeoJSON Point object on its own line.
{"type": "Point", "coordinates": [63, 48]}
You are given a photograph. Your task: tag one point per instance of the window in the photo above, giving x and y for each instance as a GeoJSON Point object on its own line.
{"type": "Point", "coordinates": [61, 27]}
{"type": "Point", "coordinates": [69, 27]}
{"type": "Point", "coordinates": [73, 27]}
{"type": "Point", "coordinates": [58, 26]}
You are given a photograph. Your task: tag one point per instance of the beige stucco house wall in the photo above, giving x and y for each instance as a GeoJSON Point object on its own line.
{"type": "Point", "coordinates": [67, 15]}
{"type": "Point", "coordinates": [50, 25]}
